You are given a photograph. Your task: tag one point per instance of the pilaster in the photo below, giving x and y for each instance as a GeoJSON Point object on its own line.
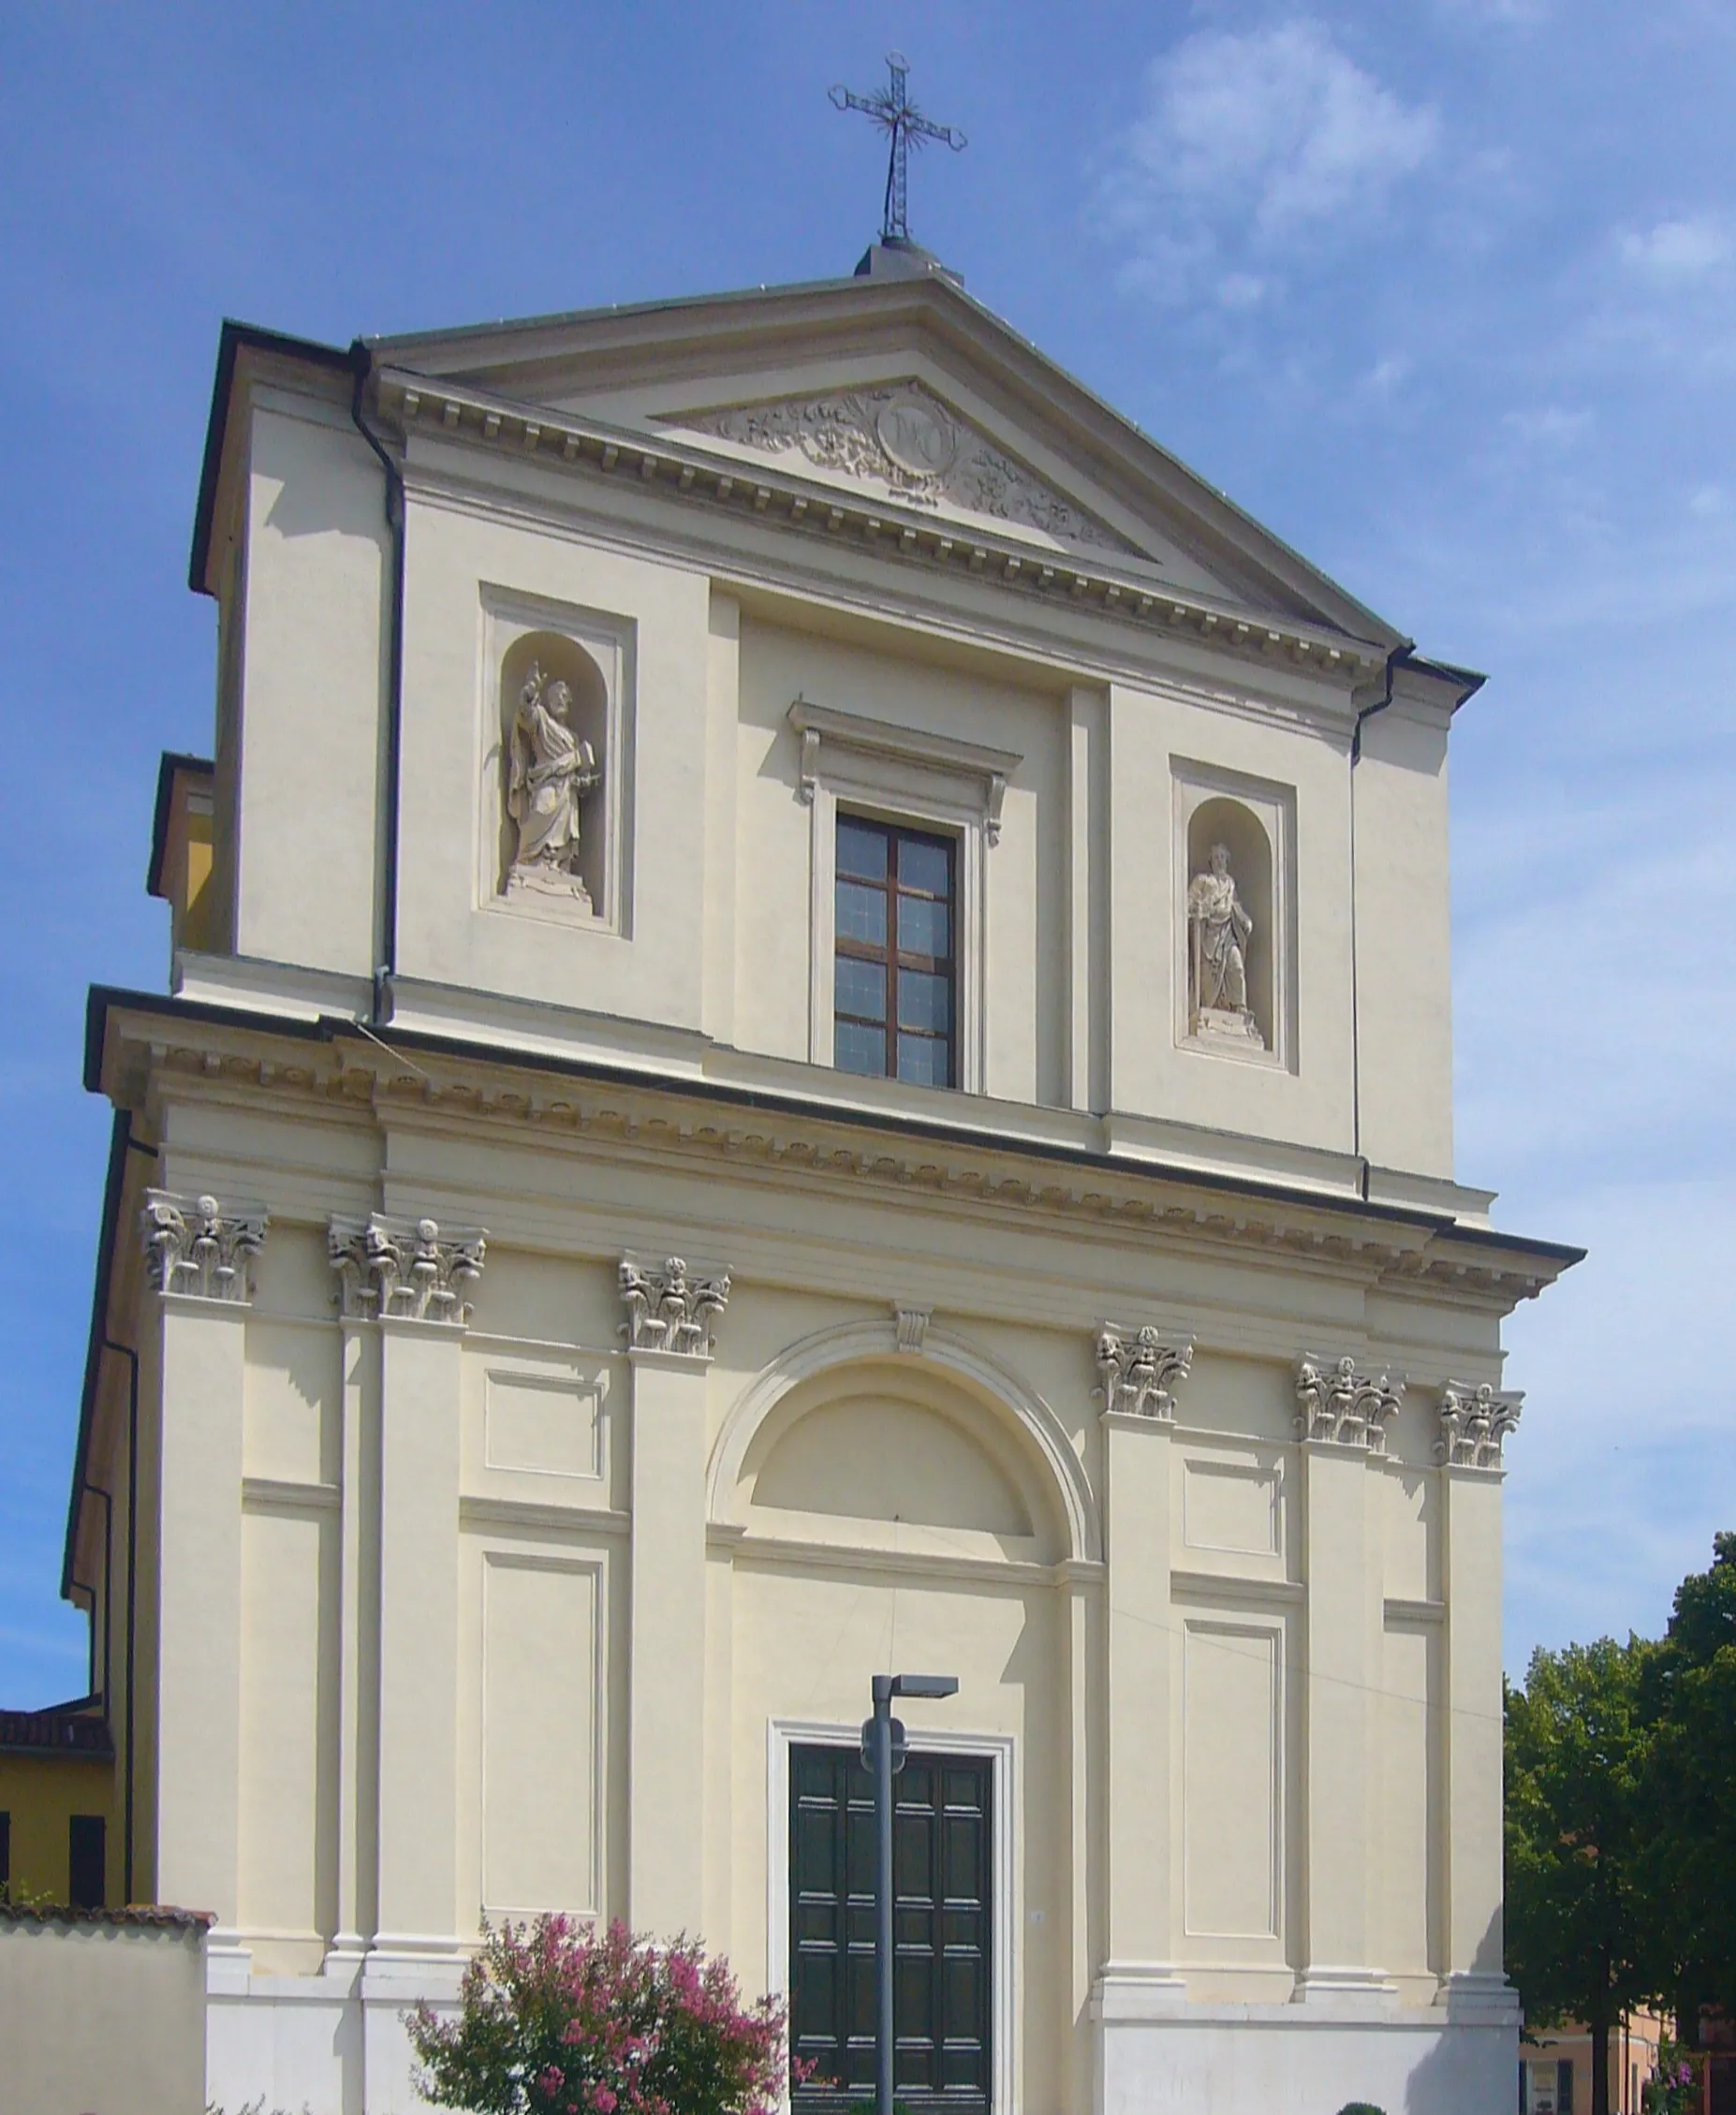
{"type": "Point", "coordinates": [200, 1254]}
{"type": "Point", "coordinates": [669, 1335]}
{"type": "Point", "coordinates": [1342, 1420]}
{"type": "Point", "coordinates": [405, 1282]}
{"type": "Point", "coordinates": [1473, 1423]}
{"type": "Point", "coordinates": [1141, 1876]}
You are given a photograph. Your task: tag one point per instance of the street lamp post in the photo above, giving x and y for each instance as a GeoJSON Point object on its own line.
{"type": "Point", "coordinates": [882, 1735]}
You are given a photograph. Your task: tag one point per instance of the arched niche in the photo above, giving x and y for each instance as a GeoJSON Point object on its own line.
{"type": "Point", "coordinates": [1221, 819]}
{"type": "Point", "coordinates": [845, 1438]}
{"type": "Point", "coordinates": [886, 1443]}
{"type": "Point", "coordinates": [558, 657]}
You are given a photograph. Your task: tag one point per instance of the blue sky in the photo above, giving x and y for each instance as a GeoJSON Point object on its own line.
{"type": "Point", "coordinates": [1444, 290]}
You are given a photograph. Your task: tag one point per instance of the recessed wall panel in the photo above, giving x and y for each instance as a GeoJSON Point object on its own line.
{"type": "Point", "coordinates": [541, 1670]}
{"type": "Point", "coordinates": [1232, 1761]}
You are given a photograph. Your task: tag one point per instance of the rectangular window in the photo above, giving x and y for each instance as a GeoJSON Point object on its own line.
{"type": "Point", "coordinates": [86, 1859]}
{"type": "Point", "coordinates": [894, 976]}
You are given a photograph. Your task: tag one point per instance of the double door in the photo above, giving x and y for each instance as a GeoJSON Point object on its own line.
{"type": "Point", "coordinates": [941, 1928]}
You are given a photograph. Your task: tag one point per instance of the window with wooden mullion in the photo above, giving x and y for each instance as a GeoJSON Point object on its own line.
{"type": "Point", "coordinates": [892, 996]}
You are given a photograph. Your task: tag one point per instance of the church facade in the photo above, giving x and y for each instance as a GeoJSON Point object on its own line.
{"type": "Point", "coordinates": [808, 1035]}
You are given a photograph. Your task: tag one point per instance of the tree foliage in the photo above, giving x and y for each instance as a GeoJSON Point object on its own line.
{"type": "Point", "coordinates": [1621, 1822]}
{"type": "Point", "coordinates": [1691, 1699]}
{"type": "Point", "coordinates": [557, 2019]}
{"type": "Point", "coordinates": [1583, 1942]}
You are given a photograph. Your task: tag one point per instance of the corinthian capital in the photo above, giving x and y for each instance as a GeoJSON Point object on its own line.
{"type": "Point", "coordinates": [1348, 1408]}
{"type": "Point", "coordinates": [202, 1247]}
{"type": "Point", "coordinates": [1473, 1422]}
{"type": "Point", "coordinates": [1137, 1369]}
{"type": "Point", "coordinates": [668, 1310]}
{"type": "Point", "coordinates": [404, 1270]}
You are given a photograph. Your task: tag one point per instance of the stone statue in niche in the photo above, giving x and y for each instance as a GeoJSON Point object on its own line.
{"type": "Point", "coordinates": [547, 770]}
{"type": "Point", "coordinates": [1219, 934]}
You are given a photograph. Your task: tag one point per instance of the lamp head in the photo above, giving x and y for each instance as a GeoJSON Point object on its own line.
{"type": "Point", "coordinates": [925, 1685]}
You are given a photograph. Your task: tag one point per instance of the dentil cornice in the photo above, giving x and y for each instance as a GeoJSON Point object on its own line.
{"type": "Point", "coordinates": [199, 1247]}
{"type": "Point", "coordinates": [1474, 1420]}
{"type": "Point", "coordinates": [1140, 1371]}
{"type": "Point", "coordinates": [889, 525]}
{"type": "Point", "coordinates": [404, 1270]}
{"type": "Point", "coordinates": [153, 1045]}
{"type": "Point", "coordinates": [668, 1309]}
{"type": "Point", "coordinates": [1343, 1406]}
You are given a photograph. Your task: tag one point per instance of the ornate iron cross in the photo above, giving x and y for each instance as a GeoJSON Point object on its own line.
{"type": "Point", "coordinates": [896, 115]}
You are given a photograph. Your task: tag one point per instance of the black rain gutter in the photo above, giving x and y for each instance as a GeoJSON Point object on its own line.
{"type": "Point", "coordinates": [333, 1028]}
{"type": "Point", "coordinates": [121, 1142]}
{"type": "Point", "coordinates": [386, 950]}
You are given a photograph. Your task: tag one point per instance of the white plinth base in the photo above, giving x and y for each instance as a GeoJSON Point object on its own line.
{"type": "Point", "coordinates": [333, 2044]}
{"type": "Point", "coordinates": [1160, 2056]}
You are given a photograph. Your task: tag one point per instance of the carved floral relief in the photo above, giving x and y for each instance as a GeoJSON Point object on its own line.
{"type": "Point", "coordinates": [670, 1307]}
{"type": "Point", "coordinates": [1473, 1423]}
{"type": "Point", "coordinates": [405, 1269]}
{"type": "Point", "coordinates": [200, 1247]}
{"type": "Point", "coordinates": [1140, 1372]}
{"type": "Point", "coordinates": [1341, 1406]}
{"type": "Point", "coordinates": [904, 438]}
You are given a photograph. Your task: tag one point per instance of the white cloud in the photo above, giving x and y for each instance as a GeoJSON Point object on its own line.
{"type": "Point", "coordinates": [1255, 142]}
{"type": "Point", "coordinates": [1553, 426]}
{"type": "Point", "coordinates": [1679, 250]}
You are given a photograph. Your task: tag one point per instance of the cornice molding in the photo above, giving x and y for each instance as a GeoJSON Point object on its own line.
{"type": "Point", "coordinates": [821, 727]}
{"type": "Point", "coordinates": [1342, 1407]}
{"type": "Point", "coordinates": [200, 1248]}
{"type": "Point", "coordinates": [1474, 1421]}
{"type": "Point", "coordinates": [153, 1045]}
{"type": "Point", "coordinates": [669, 1309]}
{"type": "Point", "coordinates": [1140, 1372]}
{"type": "Point", "coordinates": [393, 1270]}
{"type": "Point", "coordinates": [680, 470]}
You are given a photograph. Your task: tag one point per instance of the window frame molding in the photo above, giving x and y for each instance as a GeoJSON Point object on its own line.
{"type": "Point", "coordinates": [904, 777]}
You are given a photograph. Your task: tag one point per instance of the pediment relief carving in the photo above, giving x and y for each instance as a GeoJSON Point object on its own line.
{"type": "Point", "coordinates": [901, 437]}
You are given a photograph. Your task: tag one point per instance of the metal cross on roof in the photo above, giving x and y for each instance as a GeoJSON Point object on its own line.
{"type": "Point", "coordinates": [892, 110]}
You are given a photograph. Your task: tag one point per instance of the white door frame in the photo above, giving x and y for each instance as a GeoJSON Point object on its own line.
{"type": "Point", "coordinates": [782, 1734]}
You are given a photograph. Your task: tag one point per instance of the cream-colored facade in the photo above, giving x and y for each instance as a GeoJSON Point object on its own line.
{"type": "Point", "coordinates": [1148, 1379]}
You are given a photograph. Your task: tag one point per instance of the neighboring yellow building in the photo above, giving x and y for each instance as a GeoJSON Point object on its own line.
{"type": "Point", "coordinates": [56, 1800]}
{"type": "Point", "coordinates": [1555, 2067]}
{"type": "Point", "coordinates": [809, 1032]}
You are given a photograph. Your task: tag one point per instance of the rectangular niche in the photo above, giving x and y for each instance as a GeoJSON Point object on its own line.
{"type": "Point", "coordinates": [1253, 820]}
{"type": "Point", "coordinates": [554, 769]}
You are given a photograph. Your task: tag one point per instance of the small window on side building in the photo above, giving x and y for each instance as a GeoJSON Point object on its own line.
{"type": "Point", "coordinates": [86, 1861]}
{"type": "Point", "coordinates": [893, 991]}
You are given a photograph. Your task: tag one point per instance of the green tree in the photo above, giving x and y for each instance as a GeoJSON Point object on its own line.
{"type": "Point", "coordinates": [1582, 1938]}
{"type": "Point", "coordinates": [1690, 1695]}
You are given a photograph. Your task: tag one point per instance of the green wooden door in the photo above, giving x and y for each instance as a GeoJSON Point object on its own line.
{"type": "Point", "coordinates": [941, 1861]}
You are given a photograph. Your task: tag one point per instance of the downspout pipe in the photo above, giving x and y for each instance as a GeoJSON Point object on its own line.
{"type": "Point", "coordinates": [1399, 653]}
{"type": "Point", "coordinates": [386, 950]}
{"type": "Point", "coordinates": [92, 1588]}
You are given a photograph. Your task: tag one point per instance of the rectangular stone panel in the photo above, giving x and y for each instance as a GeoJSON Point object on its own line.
{"type": "Point", "coordinates": [1230, 1506]}
{"type": "Point", "coordinates": [541, 1672]}
{"type": "Point", "coordinates": [545, 1424]}
{"type": "Point", "coordinates": [1232, 1779]}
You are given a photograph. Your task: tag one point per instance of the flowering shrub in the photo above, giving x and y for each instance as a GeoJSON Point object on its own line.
{"type": "Point", "coordinates": [557, 2019]}
{"type": "Point", "coordinates": [1674, 2088]}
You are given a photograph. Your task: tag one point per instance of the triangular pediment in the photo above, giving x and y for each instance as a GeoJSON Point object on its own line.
{"type": "Point", "coordinates": [904, 390]}
{"type": "Point", "coordinates": [903, 439]}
